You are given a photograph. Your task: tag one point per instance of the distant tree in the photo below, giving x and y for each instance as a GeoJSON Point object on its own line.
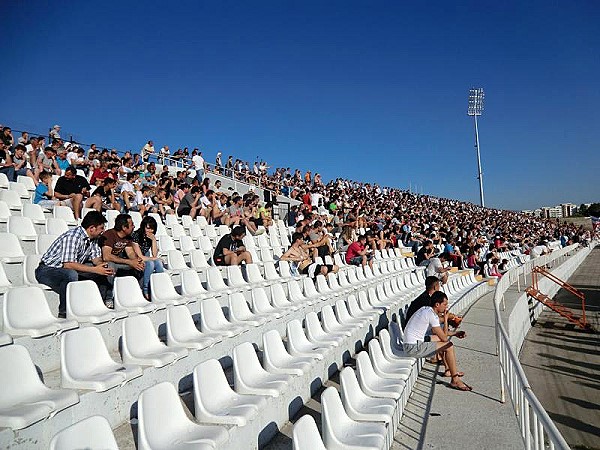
{"type": "Point", "coordinates": [594, 210]}
{"type": "Point", "coordinates": [582, 211]}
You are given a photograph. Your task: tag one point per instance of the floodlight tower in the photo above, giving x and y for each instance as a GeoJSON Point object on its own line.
{"type": "Point", "coordinates": [476, 96]}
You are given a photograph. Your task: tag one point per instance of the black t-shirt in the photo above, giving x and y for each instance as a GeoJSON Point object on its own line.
{"type": "Point", "coordinates": [421, 255]}
{"type": "Point", "coordinates": [74, 186]}
{"type": "Point", "coordinates": [229, 243]}
{"type": "Point", "coordinates": [422, 300]}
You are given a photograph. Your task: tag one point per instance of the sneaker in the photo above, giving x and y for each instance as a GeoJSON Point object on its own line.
{"type": "Point", "coordinates": [62, 315]}
{"type": "Point", "coordinates": [259, 232]}
{"type": "Point", "coordinates": [110, 304]}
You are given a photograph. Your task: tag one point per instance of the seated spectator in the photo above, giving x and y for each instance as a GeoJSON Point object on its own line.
{"type": "Point", "coordinates": [319, 242]}
{"type": "Point", "coordinates": [75, 255]}
{"type": "Point", "coordinates": [62, 161]}
{"type": "Point", "coordinates": [144, 245]}
{"type": "Point", "coordinates": [266, 214]}
{"type": "Point", "coordinates": [236, 211]}
{"type": "Point", "coordinates": [44, 195]}
{"type": "Point", "coordinates": [357, 253]}
{"type": "Point", "coordinates": [190, 203]}
{"type": "Point", "coordinates": [454, 253]}
{"type": "Point", "coordinates": [108, 199]}
{"type": "Point", "coordinates": [424, 253]}
{"type": "Point", "coordinates": [427, 318]}
{"type": "Point", "coordinates": [21, 163]}
{"type": "Point", "coordinates": [436, 268]}
{"type": "Point", "coordinates": [472, 262]}
{"type": "Point", "coordinates": [297, 255]}
{"type": "Point", "coordinates": [230, 250]}
{"type": "Point", "coordinates": [118, 251]}
{"type": "Point", "coordinates": [432, 284]}
{"type": "Point", "coordinates": [128, 193]}
{"type": "Point", "coordinates": [72, 189]}
{"type": "Point", "coordinates": [164, 202]}
{"type": "Point", "coordinates": [6, 163]}
{"type": "Point", "coordinates": [347, 237]}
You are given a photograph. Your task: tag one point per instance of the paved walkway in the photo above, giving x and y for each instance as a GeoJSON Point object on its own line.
{"type": "Point", "coordinates": [562, 362]}
{"type": "Point", "coordinates": [443, 418]}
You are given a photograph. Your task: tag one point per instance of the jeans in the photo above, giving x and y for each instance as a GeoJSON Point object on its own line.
{"type": "Point", "coordinates": [151, 267]}
{"type": "Point", "coordinates": [9, 172]}
{"type": "Point", "coordinates": [57, 278]}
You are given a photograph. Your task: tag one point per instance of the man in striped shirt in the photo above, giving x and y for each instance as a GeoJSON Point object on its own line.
{"type": "Point", "coordinates": [69, 257]}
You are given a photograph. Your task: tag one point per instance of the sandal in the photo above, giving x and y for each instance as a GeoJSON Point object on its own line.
{"type": "Point", "coordinates": [448, 374]}
{"type": "Point", "coordinates": [464, 387]}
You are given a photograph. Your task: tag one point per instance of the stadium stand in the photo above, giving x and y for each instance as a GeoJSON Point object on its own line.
{"type": "Point", "coordinates": [278, 332]}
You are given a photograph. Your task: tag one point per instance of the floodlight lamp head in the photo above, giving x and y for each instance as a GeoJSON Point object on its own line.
{"type": "Point", "coordinates": [476, 96]}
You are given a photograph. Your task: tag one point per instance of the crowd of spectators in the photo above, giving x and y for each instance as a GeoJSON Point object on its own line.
{"type": "Point", "coordinates": [326, 218]}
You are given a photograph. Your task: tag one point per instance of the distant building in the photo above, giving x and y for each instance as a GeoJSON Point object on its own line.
{"type": "Point", "coordinates": [568, 209]}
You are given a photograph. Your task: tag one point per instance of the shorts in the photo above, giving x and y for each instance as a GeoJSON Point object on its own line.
{"type": "Point", "coordinates": [219, 260]}
{"type": "Point", "coordinates": [420, 349]}
{"type": "Point", "coordinates": [356, 261]}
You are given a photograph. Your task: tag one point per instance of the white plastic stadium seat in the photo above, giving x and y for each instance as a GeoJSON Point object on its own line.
{"type": "Point", "coordinates": [5, 283]}
{"type": "Point", "coordinates": [182, 332]}
{"type": "Point", "coordinates": [12, 199]}
{"type": "Point", "coordinates": [163, 291]}
{"type": "Point", "coordinates": [26, 312]}
{"type": "Point", "coordinates": [35, 213]}
{"type": "Point", "coordinates": [30, 263]}
{"type": "Point", "coordinates": [22, 227]}
{"type": "Point", "coordinates": [4, 211]}
{"type": "Point", "coordinates": [86, 364]}
{"type": "Point", "coordinates": [5, 339]}
{"type": "Point", "coordinates": [261, 304]}
{"type": "Point", "coordinates": [163, 423]}
{"type": "Point", "coordinates": [372, 384]}
{"type": "Point", "coordinates": [10, 250]}
{"type": "Point", "coordinates": [212, 319]}
{"type": "Point", "coordinates": [216, 402]}
{"type": "Point", "coordinates": [359, 406]}
{"type": "Point", "coordinates": [316, 334]}
{"type": "Point", "coordinates": [128, 297]}
{"type": "Point", "coordinates": [141, 345]}
{"type": "Point", "coordinates": [43, 243]}
{"type": "Point", "coordinates": [25, 398]}
{"type": "Point", "coordinates": [305, 435]}
{"type": "Point", "coordinates": [84, 304]}
{"type": "Point", "coordinates": [191, 286]}
{"type": "Point", "coordinates": [56, 225]}
{"type": "Point", "coordinates": [299, 345]}
{"type": "Point", "coordinates": [277, 360]}
{"type": "Point", "coordinates": [66, 213]}
{"type": "Point", "coordinates": [93, 432]}
{"type": "Point", "coordinates": [214, 282]}
{"type": "Point", "coordinates": [340, 432]}
{"type": "Point", "coordinates": [250, 378]}
{"type": "Point", "coordinates": [27, 182]}
{"type": "Point", "coordinates": [3, 181]}
{"type": "Point", "coordinates": [240, 313]}
{"type": "Point", "coordinates": [20, 189]}
{"type": "Point", "coordinates": [176, 261]}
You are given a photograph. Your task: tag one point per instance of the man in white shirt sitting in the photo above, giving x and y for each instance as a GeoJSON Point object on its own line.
{"type": "Point", "coordinates": [436, 268]}
{"type": "Point", "coordinates": [427, 319]}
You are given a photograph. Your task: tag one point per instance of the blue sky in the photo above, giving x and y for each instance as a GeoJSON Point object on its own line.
{"type": "Point", "coordinates": [373, 91]}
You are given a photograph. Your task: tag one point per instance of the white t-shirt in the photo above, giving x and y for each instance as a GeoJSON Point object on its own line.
{"type": "Point", "coordinates": [198, 162]}
{"type": "Point", "coordinates": [433, 267]}
{"type": "Point", "coordinates": [314, 199]}
{"type": "Point", "coordinates": [419, 325]}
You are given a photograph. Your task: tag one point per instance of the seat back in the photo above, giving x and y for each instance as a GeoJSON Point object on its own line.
{"type": "Point", "coordinates": [18, 376]}
{"type": "Point", "coordinates": [56, 225]}
{"type": "Point", "coordinates": [160, 413]}
{"type": "Point", "coordinates": [235, 277]}
{"type": "Point", "coordinates": [162, 287]}
{"type": "Point", "coordinates": [25, 307]}
{"type": "Point", "coordinates": [186, 244]}
{"type": "Point", "coordinates": [139, 337]}
{"type": "Point", "coordinates": [83, 299]}
{"type": "Point", "coordinates": [270, 270]}
{"type": "Point", "coordinates": [93, 432]}
{"type": "Point", "coordinates": [176, 261]}
{"type": "Point", "coordinates": [64, 212]}
{"type": "Point", "coordinates": [211, 388]}
{"type": "Point", "coordinates": [191, 284]}
{"type": "Point", "coordinates": [212, 315]}
{"type": "Point", "coordinates": [177, 231]}
{"type": "Point", "coordinates": [314, 330]}
{"type": "Point", "coordinates": [253, 274]}
{"type": "Point", "coordinates": [127, 292]}
{"type": "Point", "coordinates": [4, 209]}
{"type": "Point", "coordinates": [30, 263]}
{"type": "Point", "coordinates": [11, 198]}
{"type": "Point", "coordinates": [309, 288]}
{"type": "Point", "coordinates": [214, 279]}
{"type": "Point", "coordinates": [278, 296]}
{"type": "Point", "coordinates": [33, 211]}
{"type": "Point", "coordinates": [295, 291]}
{"type": "Point", "coordinates": [305, 435]}
{"type": "Point", "coordinates": [21, 226]}
{"type": "Point", "coordinates": [335, 423]}
{"type": "Point", "coordinates": [284, 270]}
{"type": "Point", "coordinates": [180, 325]}
{"type": "Point", "coordinates": [322, 285]}
{"type": "Point", "coordinates": [198, 259]}
{"type": "Point", "coordinates": [273, 349]}
{"type": "Point", "coordinates": [238, 307]}
{"type": "Point", "coordinates": [27, 182]}
{"type": "Point", "coordinates": [83, 353]}
{"type": "Point", "coordinates": [246, 365]}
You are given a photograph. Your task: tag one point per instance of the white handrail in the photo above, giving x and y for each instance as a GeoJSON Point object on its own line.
{"type": "Point", "coordinates": [534, 421]}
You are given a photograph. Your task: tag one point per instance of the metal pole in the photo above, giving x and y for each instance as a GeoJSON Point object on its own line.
{"type": "Point", "coordinates": [480, 174]}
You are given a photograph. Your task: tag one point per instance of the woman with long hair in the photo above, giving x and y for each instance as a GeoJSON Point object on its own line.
{"type": "Point", "coordinates": [145, 247]}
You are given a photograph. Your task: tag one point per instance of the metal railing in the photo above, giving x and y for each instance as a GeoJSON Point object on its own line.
{"type": "Point", "coordinates": [536, 425]}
